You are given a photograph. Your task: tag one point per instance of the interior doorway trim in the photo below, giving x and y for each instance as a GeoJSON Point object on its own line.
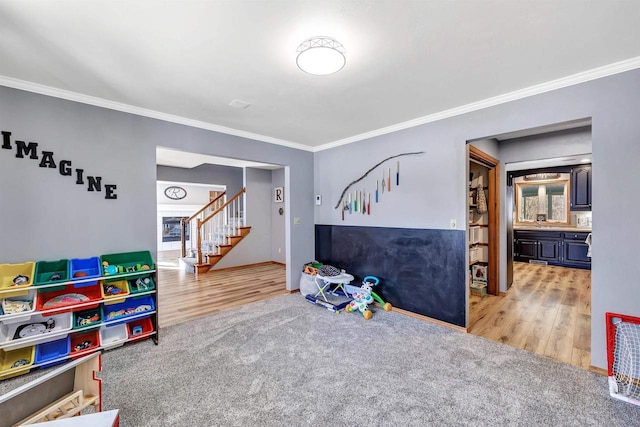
{"type": "Point", "coordinates": [493, 207]}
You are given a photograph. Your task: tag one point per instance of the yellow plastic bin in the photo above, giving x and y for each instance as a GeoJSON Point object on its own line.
{"type": "Point", "coordinates": [16, 362]}
{"type": "Point", "coordinates": [114, 291]}
{"type": "Point", "coordinates": [16, 276]}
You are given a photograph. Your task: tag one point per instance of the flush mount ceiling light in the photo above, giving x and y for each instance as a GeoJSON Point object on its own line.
{"type": "Point", "coordinates": [321, 56]}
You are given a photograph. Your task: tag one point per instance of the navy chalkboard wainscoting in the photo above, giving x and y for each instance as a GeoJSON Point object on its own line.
{"type": "Point", "coordinates": [422, 271]}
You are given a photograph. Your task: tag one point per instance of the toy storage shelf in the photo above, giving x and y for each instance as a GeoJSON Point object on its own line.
{"type": "Point", "coordinates": [134, 315]}
{"type": "Point", "coordinates": [68, 357]}
{"type": "Point", "coordinates": [71, 307]}
{"type": "Point", "coordinates": [26, 342]}
{"type": "Point", "coordinates": [127, 276]}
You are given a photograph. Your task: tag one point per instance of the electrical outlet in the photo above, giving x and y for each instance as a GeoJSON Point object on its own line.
{"type": "Point", "coordinates": [452, 224]}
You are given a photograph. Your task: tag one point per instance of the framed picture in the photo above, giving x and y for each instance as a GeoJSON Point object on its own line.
{"type": "Point", "coordinates": [479, 273]}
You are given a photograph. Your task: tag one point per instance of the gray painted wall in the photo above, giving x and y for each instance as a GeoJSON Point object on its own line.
{"type": "Point", "coordinates": [256, 247]}
{"type": "Point", "coordinates": [204, 174]}
{"type": "Point", "coordinates": [489, 146]}
{"type": "Point", "coordinates": [50, 217]}
{"type": "Point", "coordinates": [434, 186]}
{"type": "Point", "coordinates": [545, 146]}
{"type": "Point", "coordinates": [278, 241]}
{"type": "Point", "coordinates": [197, 195]}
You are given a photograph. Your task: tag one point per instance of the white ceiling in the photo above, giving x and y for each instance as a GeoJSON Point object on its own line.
{"type": "Point", "coordinates": [407, 61]}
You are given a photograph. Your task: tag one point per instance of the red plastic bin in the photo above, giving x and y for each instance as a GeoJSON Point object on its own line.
{"type": "Point", "coordinates": [84, 343]}
{"type": "Point", "coordinates": [139, 328]}
{"type": "Point", "coordinates": [92, 293]}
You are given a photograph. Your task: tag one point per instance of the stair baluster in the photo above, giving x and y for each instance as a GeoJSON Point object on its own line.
{"type": "Point", "coordinates": [223, 225]}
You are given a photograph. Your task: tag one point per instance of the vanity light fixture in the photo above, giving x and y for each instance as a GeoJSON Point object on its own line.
{"type": "Point", "coordinates": [321, 56]}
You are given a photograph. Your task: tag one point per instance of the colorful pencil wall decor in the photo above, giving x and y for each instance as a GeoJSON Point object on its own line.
{"type": "Point", "coordinates": [359, 201]}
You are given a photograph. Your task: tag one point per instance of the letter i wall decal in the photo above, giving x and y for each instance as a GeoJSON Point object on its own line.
{"type": "Point", "coordinates": [362, 199]}
{"type": "Point", "coordinates": [64, 167]}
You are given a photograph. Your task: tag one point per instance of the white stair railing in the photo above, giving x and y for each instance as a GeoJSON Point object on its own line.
{"type": "Point", "coordinates": [218, 225]}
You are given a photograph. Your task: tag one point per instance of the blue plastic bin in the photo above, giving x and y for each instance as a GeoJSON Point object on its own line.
{"type": "Point", "coordinates": [117, 313]}
{"type": "Point", "coordinates": [52, 350]}
{"type": "Point", "coordinates": [84, 268]}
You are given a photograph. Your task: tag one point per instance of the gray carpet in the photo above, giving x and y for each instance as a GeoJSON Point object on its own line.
{"type": "Point", "coordinates": [286, 362]}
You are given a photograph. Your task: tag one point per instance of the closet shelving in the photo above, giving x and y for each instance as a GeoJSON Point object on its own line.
{"type": "Point", "coordinates": [478, 224]}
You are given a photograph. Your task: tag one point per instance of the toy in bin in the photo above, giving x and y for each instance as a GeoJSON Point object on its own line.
{"type": "Point", "coordinates": [365, 296]}
{"type": "Point", "coordinates": [112, 290]}
{"type": "Point", "coordinates": [83, 345]}
{"type": "Point", "coordinates": [87, 318]}
{"type": "Point", "coordinates": [143, 283]}
{"type": "Point", "coordinates": [20, 279]}
{"type": "Point", "coordinates": [109, 269]}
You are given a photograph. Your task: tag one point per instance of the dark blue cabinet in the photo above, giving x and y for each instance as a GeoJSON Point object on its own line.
{"type": "Point", "coordinates": [581, 188]}
{"type": "Point", "coordinates": [555, 247]}
{"type": "Point", "coordinates": [549, 250]}
{"type": "Point", "coordinates": [575, 250]}
{"type": "Point", "coordinates": [526, 249]}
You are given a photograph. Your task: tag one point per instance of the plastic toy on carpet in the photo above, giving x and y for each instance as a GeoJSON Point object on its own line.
{"type": "Point", "coordinates": [365, 296]}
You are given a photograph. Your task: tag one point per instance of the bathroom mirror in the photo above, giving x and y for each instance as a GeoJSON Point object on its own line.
{"type": "Point", "coordinates": [536, 199]}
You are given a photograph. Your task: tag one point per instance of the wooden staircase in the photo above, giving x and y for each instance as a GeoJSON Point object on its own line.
{"type": "Point", "coordinates": [223, 223]}
{"type": "Point", "coordinates": [213, 258]}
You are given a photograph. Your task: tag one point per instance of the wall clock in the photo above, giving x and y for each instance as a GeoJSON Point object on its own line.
{"type": "Point", "coordinates": [175, 192]}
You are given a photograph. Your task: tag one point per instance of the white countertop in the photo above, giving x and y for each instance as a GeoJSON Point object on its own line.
{"type": "Point", "coordinates": [551, 228]}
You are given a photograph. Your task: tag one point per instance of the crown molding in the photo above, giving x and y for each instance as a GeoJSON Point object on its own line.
{"type": "Point", "coordinates": [139, 111]}
{"type": "Point", "coordinates": [582, 77]}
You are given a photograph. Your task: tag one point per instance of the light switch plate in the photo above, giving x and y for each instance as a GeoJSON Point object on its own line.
{"type": "Point", "coordinates": [318, 199]}
{"type": "Point", "coordinates": [452, 224]}
{"type": "Point", "coordinates": [296, 221]}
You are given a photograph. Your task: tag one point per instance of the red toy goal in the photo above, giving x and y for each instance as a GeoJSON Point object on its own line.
{"type": "Point", "coordinates": [623, 357]}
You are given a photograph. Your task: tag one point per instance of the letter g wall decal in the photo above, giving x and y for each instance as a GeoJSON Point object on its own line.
{"type": "Point", "coordinates": [64, 167]}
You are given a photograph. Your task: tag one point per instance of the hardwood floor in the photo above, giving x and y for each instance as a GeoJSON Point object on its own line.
{"type": "Point", "coordinates": [547, 311]}
{"type": "Point", "coordinates": [182, 296]}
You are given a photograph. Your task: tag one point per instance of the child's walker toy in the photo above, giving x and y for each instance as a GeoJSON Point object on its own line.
{"type": "Point", "coordinates": [365, 296]}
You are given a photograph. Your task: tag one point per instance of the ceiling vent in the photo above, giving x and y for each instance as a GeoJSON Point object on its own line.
{"type": "Point", "coordinates": [239, 104]}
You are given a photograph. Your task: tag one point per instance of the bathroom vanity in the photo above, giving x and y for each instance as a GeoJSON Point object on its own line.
{"type": "Point", "coordinates": [563, 246]}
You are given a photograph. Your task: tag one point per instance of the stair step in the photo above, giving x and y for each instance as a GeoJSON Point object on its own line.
{"type": "Point", "coordinates": [224, 249]}
{"type": "Point", "coordinates": [202, 268]}
{"type": "Point", "coordinates": [212, 259]}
